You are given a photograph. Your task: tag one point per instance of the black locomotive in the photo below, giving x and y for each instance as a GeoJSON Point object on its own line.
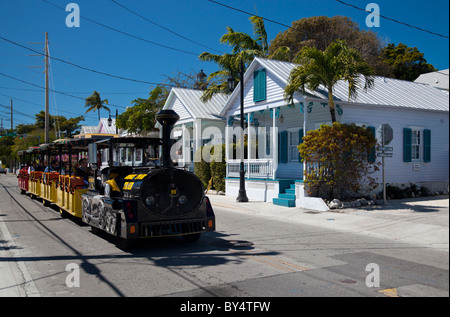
{"type": "Point", "coordinates": [133, 192]}
{"type": "Point", "coordinates": [148, 200]}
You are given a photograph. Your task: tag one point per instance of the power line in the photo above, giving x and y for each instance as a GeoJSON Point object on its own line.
{"type": "Point", "coordinates": [291, 27]}
{"type": "Point", "coordinates": [249, 13]}
{"type": "Point", "coordinates": [125, 33]}
{"type": "Point", "coordinates": [79, 66]}
{"type": "Point", "coordinates": [55, 91]}
{"type": "Point", "coordinates": [163, 27]}
{"type": "Point", "coordinates": [394, 20]}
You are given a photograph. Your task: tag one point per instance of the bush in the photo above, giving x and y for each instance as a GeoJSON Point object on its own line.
{"type": "Point", "coordinates": [337, 159]}
{"type": "Point", "coordinates": [201, 167]}
{"type": "Point", "coordinates": [210, 165]}
{"type": "Point", "coordinates": [218, 168]}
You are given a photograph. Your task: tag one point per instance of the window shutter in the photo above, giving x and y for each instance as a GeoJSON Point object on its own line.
{"type": "Point", "coordinates": [300, 138]}
{"type": "Point", "coordinates": [282, 147]}
{"type": "Point", "coordinates": [407, 148]}
{"type": "Point", "coordinates": [372, 153]}
{"type": "Point", "coordinates": [259, 85]}
{"type": "Point", "coordinates": [427, 146]}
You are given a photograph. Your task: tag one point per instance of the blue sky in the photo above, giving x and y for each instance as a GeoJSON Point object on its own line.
{"type": "Point", "coordinates": [96, 47]}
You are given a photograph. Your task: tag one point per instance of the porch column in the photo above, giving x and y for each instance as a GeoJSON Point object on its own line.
{"type": "Point", "coordinates": [249, 144]}
{"type": "Point", "coordinates": [227, 141]}
{"type": "Point", "coordinates": [184, 148]}
{"type": "Point", "coordinates": [274, 152]}
{"type": "Point", "coordinates": [198, 135]}
{"type": "Point", "coordinates": [305, 115]}
{"type": "Point", "coordinates": [227, 146]}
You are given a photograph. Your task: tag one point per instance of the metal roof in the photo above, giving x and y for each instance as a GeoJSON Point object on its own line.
{"type": "Point", "coordinates": [437, 79]}
{"type": "Point", "coordinates": [386, 91]}
{"type": "Point", "coordinates": [190, 98]}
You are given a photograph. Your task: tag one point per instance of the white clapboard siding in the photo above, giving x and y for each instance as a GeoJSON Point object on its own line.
{"type": "Point", "coordinates": [398, 171]}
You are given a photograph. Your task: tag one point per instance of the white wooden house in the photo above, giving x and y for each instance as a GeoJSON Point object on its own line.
{"type": "Point", "coordinates": [418, 114]}
{"type": "Point", "coordinates": [199, 123]}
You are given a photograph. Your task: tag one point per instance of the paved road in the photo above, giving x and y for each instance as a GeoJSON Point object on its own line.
{"type": "Point", "coordinates": [250, 254]}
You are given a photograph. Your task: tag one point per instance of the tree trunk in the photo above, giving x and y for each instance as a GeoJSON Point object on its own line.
{"type": "Point", "coordinates": [331, 105]}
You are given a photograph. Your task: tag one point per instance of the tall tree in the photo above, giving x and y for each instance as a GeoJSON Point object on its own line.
{"type": "Point", "coordinates": [70, 126]}
{"type": "Point", "coordinates": [95, 103]}
{"type": "Point", "coordinates": [326, 68]}
{"type": "Point", "coordinates": [141, 116]}
{"type": "Point", "coordinates": [321, 31]}
{"type": "Point", "coordinates": [407, 62]}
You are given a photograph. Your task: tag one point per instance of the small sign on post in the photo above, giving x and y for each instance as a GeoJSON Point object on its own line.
{"type": "Point", "coordinates": [387, 134]}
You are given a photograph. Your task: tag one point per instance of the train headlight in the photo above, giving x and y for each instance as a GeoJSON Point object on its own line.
{"type": "Point", "coordinates": [183, 199]}
{"type": "Point", "coordinates": [150, 200]}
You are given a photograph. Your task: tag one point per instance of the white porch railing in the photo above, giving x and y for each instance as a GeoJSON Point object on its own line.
{"type": "Point", "coordinates": [260, 168]}
{"type": "Point", "coordinates": [317, 168]}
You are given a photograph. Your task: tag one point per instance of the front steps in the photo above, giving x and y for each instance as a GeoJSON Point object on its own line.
{"type": "Point", "coordinates": [286, 199]}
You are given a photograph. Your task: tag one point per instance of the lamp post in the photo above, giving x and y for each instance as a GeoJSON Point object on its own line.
{"type": "Point", "coordinates": [117, 129]}
{"type": "Point", "coordinates": [109, 120]}
{"type": "Point", "coordinates": [242, 196]}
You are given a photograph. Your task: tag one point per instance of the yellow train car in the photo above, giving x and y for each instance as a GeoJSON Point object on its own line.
{"type": "Point", "coordinates": [58, 188]}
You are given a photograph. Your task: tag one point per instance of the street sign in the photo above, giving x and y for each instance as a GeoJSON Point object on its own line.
{"type": "Point", "coordinates": [388, 133]}
{"type": "Point", "coordinates": [387, 154]}
{"type": "Point", "coordinates": [386, 148]}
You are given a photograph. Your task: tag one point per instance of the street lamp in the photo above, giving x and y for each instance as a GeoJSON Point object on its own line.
{"type": "Point", "coordinates": [201, 80]}
{"type": "Point", "coordinates": [109, 120]}
{"type": "Point", "coordinates": [242, 196]}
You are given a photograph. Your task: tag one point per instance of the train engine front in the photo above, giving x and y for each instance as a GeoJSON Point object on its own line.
{"type": "Point", "coordinates": [154, 201]}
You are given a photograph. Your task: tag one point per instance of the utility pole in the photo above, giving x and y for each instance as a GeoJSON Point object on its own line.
{"type": "Point", "coordinates": [47, 121]}
{"type": "Point", "coordinates": [12, 115]}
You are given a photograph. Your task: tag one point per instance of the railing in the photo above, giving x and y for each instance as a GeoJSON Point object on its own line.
{"type": "Point", "coordinates": [318, 169]}
{"type": "Point", "coordinates": [262, 168]}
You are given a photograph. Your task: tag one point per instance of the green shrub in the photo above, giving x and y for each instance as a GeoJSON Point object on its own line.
{"type": "Point", "coordinates": [337, 158]}
{"type": "Point", "coordinates": [218, 167]}
{"type": "Point", "coordinates": [210, 164]}
{"type": "Point", "coordinates": [201, 166]}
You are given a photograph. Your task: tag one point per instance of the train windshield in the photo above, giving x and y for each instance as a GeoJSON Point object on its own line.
{"type": "Point", "coordinates": [130, 152]}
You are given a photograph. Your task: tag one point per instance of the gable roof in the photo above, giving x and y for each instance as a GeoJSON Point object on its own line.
{"type": "Point", "coordinates": [190, 107]}
{"type": "Point", "coordinates": [386, 91]}
{"type": "Point", "coordinates": [437, 79]}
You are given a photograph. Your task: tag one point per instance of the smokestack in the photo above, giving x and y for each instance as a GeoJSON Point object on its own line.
{"type": "Point", "coordinates": [167, 118]}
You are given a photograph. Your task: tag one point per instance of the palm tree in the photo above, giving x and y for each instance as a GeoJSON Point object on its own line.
{"type": "Point", "coordinates": [245, 49]}
{"type": "Point", "coordinates": [326, 68]}
{"type": "Point", "coordinates": [94, 102]}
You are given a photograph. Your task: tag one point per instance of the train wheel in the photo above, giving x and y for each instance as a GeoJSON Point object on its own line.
{"type": "Point", "coordinates": [63, 213]}
{"type": "Point", "coordinates": [191, 237]}
{"type": "Point", "coordinates": [125, 244]}
{"type": "Point", "coordinates": [95, 230]}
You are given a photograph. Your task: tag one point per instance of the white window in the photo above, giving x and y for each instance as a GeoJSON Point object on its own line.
{"type": "Point", "coordinates": [416, 142]}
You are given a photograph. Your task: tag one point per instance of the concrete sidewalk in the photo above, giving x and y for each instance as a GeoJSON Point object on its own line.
{"type": "Point", "coordinates": [423, 221]}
